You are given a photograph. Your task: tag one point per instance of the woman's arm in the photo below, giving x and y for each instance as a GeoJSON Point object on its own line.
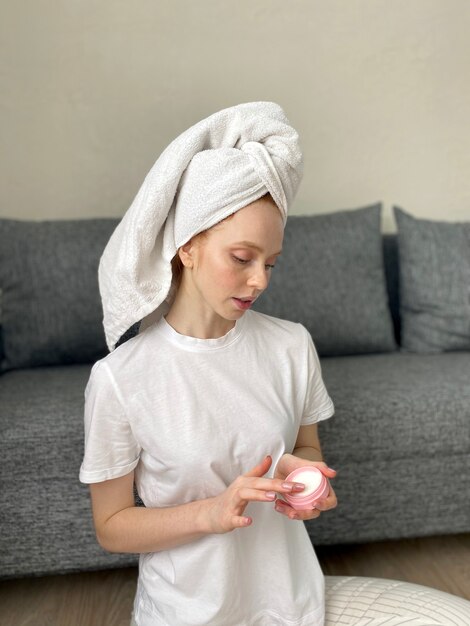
{"type": "Point", "coordinates": [122, 527]}
{"type": "Point", "coordinates": [308, 445]}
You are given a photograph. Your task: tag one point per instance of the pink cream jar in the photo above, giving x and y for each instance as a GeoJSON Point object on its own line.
{"type": "Point", "coordinates": [316, 487]}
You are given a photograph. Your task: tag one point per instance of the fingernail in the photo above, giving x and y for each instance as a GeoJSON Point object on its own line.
{"type": "Point", "coordinates": [331, 469]}
{"type": "Point", "coordinates": [270, 494]}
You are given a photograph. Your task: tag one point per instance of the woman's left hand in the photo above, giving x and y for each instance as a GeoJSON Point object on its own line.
{"type": "Point", "coordinates": [287, 464]}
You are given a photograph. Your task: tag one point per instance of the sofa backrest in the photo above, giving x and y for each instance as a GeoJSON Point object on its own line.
{"type": "Point", "coordinates": [50, 303]}
{"type": "Point", "coordinates": [330, 277]}
{"type": "Point", "coordinates": [92, 247]}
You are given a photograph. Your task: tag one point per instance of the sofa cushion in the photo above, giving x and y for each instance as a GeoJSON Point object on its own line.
{"type": "Point", "coordinates": [330, 277]}
{"type": "Point", "coordinates": [434, 284]}
{"type": "Point", "coordinates": [41, 434]}
{"type": "Point", "coordinates": [51, 308]}
{"type": "Point", "coordinates": [397, 405]}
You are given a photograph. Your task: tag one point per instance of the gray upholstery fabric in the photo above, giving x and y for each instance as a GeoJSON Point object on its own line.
{"type": "Point", "coordinates": [397, 498]}
{"type": "Point", "coordinates": [398, 404]}
{"type": "Point", "coordinates": [330, 277]}
{"type": "Point", "coordinates": [46, 515]}
{"type": "Point", "coordinates": [434, 284]}
{"type": "Point", "coordinates": [51, 306]}
{"type": "Point", "coordinates": [400, 441]}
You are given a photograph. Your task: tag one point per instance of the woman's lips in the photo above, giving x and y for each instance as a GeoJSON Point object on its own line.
{"type": "Point", "coordinates": [243, 304]}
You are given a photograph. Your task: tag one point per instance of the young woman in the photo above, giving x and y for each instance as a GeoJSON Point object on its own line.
{"type": "Point", "coordinates": [207, 410]}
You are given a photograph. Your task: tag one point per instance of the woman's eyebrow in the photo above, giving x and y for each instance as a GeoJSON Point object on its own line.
{"type": "Point", "coordinates": [250, 244]}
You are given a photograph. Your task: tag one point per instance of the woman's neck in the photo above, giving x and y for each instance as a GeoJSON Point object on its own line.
{"type": "Point", "coordinates": [193, 319]}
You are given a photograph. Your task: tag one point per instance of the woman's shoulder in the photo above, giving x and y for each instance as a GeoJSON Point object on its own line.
{"type": "Point", "coordinates": [128, 355]}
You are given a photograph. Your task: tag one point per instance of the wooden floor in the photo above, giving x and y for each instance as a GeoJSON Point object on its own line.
{"type": "Point", "coordinates": [105, 598]}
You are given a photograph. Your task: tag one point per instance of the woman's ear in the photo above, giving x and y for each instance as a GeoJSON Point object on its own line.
{"type": "Point", "coordinates": [185, 253]}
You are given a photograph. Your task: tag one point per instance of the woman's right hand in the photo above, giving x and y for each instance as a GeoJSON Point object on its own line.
{"type": "Point", "coordinates": [226, 510]}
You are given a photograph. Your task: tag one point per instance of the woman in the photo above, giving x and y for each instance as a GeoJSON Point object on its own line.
{"type": "Point", "coordinates": [208, 409]}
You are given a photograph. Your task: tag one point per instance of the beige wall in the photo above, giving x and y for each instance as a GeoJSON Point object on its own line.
{"type": "Point", "coordinates": [93, 90]}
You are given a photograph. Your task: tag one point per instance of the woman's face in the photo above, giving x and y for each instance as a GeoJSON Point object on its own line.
{"type": "Point", "coordinates": [232, 263]}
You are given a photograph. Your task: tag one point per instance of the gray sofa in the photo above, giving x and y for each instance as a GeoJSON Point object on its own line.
{"type": "Point", "coordinates": [400, 437]}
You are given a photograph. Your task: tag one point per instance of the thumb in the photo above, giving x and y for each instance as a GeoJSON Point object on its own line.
{"type": "Point", "coordinates": [261, 468]}
{"type": "Point", "coordinates": [329, 472]}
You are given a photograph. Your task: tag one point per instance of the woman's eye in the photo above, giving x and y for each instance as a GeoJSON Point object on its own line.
{"type": "Point", "coordinates": [239, 260]}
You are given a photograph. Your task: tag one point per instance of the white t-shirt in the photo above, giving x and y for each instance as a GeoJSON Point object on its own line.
{"type": "Point", "coordinates": [190, 415]}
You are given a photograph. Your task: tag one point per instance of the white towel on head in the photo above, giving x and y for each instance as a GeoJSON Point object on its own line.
{"type": "Point", "coordinates": [213, 169]}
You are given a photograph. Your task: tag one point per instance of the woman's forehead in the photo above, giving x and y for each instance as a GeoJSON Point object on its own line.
{"type": "Point", "coordinates": [259, 228]}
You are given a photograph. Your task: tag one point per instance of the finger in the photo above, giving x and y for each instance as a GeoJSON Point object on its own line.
{"type": "Point", "coordinates": [240, 521]}
{"type": "Point", "coordinates": [327, 471]}
{"type": "Point", "coordinates": [261, 468]}
{"type": "Point", "coordinates": [276, 484]}
{"type": "Point", "coordinates": [310, 514]}
{"type": "Point", "coordinates": [248, 494]}
{"type": "Point", "coordinates": [324, 504]}
{"type": "Point", "coordinates": [285, 509]}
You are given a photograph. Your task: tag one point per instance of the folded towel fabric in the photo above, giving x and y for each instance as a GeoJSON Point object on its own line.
{"type": "Point", "coordinates": [216, 167]}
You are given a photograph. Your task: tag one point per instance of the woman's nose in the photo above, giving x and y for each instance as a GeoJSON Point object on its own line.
{"type": "Point", "coordinates": [259, 278]}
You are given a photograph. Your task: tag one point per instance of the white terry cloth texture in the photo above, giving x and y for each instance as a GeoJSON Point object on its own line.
{"type": "Point", "coordinates": [213, 169]}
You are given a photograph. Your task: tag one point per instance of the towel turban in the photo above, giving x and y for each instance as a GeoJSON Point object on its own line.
{"type": "Point", "coordinates": [216, 167]}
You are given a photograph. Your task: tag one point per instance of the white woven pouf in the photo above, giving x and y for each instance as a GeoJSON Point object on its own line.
{"type": "Point", "coordinates": [361, 601]}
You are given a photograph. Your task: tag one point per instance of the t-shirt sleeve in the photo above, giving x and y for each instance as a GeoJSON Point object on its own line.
{"type": "Point", "coordinates": [318, 404]}
{"type": "Point", "coordinates": [111, 450]}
